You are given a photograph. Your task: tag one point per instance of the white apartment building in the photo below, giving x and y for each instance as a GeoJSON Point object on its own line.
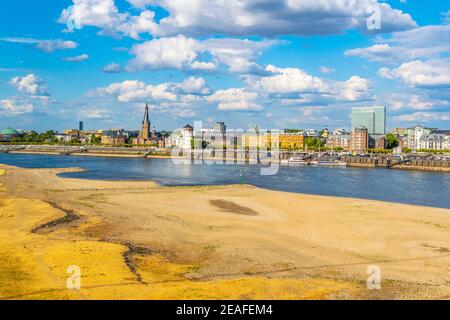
{"type": "Point", "coordinates": [435, 140]}
{"type": "Point", "coordinates": [415, 134]}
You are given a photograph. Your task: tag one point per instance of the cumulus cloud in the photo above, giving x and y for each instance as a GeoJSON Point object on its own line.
{"type": "Point", "coordinates": [239, 55]}
{"type": "Point", "coordinates": [112, 68]}
{"type": "Point", "coordinates": [96, 113]}
{"type": "Point", "coordinates": [138, 91]}
{"type": "Point", "coordinates": [47, 46]}
{"type": "Point", "coordinates": [203, 66]}
{"type": "Point", "coordinates": [294, 83]}
{"type": "Point", "coordinates": [308, 115]}
{"type": "Point", "coordinates": [290, 80]}
{"type": "Point", "coordinates": [423, 117]}
{"type": "Point", "coordinates": [432, 73]}
{"type": "Point", "coordinates": [354, 89]}
{"type": "Point", "coordinates": [105, 15]}
{"type": "Point", "coordinates": [80, 58]}
{"type": "Point", "coordinates": [12, 107]}
{"type": "Point", "coordinates": [398, 101]}
{"type": "Point", "coordinates": [194, 86]}
{"type": "Point", "coordinates": [175, 110]}
{"type": "Point", "coordinates": [53, 45]}
{"type": "Point", "coordinates": [419, 43]}
{"type": "Point", "coordinates": [30, 84]}
{"type": "Point", "coordinates": [273, 17]}
{"type": "Point", "coordinates": [326, 70]}
{"type": "Point", "coordinates": [185, 53]}
{"type": "Point", "coordinates": [234, 17]}
{"type": "Point", "coordinates": [177, 53]}
{"type": "Point", "coordinates": [235, 99]}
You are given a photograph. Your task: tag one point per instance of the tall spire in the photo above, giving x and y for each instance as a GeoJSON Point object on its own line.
{"type": "Point", "coordinates": [145, 132]}
{"type": "Point", "coordinates": [146, 118]}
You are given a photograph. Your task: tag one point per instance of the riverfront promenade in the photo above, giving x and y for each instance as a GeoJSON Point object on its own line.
{"type": "Point", "coordinates": [242, 156]}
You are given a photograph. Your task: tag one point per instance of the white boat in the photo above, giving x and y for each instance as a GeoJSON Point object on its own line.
{"type": "Point", "coordinates": [331, 163]}
{"type": "Point", "coordinates": [298, 161]}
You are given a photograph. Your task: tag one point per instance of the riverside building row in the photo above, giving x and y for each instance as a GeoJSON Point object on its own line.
{"type": "Point", "coordinates": [368, 131]}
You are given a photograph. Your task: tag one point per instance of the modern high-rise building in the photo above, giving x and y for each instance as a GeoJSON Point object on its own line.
{"type": "Point", "coordinates": [372, 118]}
{"type": "Point", "coordinates": [81, 126]}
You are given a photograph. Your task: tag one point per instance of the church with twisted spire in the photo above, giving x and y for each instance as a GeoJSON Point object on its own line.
{"type": "Point", "coordinates": [148, 136]}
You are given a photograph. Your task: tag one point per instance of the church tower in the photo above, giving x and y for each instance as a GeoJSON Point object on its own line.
{"type": "Point", "coordinates": [145, 132]}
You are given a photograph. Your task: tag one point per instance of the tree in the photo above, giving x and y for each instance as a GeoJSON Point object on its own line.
{"type": "Point", "coordinates": [314, 143]}
{"type": "Point", "coordinates": [95, 139]}
{"type": "Point", "coordinates": [391, 141]}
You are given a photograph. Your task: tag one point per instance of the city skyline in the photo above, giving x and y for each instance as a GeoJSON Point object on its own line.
{"type": "Point", "coordinates": [75, 62]}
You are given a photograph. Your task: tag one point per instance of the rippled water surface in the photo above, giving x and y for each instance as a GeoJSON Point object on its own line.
{"type": "Point", "coordinates": [404, 186]}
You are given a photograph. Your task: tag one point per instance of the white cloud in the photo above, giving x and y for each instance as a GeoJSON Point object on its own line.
{"type": "Point", "coordinates": [354, 89]}
{"type": "Point", "coordinates": [290, 80]}
{"type": "Point", "coordinates": [80, 58]}
{"type": "Point", "coordinates": [296, 83]}
{"type": "Point", "coordinates": [174, 109]}
{"type": "Point", "coordinates": [432, 73]}
{"type": "Point", "coordinates": [326, 70]}
{"type": "Point", "coordinates": [138, 91]}
{"type": "Point", "coordinates": [423, 117]}
{"type": "Point", "coordinates": [30, 84]}
{"type": "Point", "coordinates": [419, 43]}
{"type": "Point", "coordinates": [308, 115]}
{"type": "Point", "coordinates": [185, 53]}
{"type": "Point", "coordinates": [195, 86]}
{"type": "Point", "coordinates": [398, 101]}
{"type": "Point", "coordinates": [53, 45]}
{"type": "Point", "coordinates": [112, 68]}
{"type": "Point", "coordinates": [177, 53]}
{"type": "Point", "coordinates": [95, 113]}
{"type": "Point", "coordinates": [235, 99]}
{"type": "Point", "coordinates": [201, 65]}
{"type": "Point", "coordinates": [138, 24]}
{"type": "Point", "coordinates": [239, 55]}
{"type": "Point", "coordinates": [44, 45]}
{"type": "Point", "coordinates": [234, 17]}
{"type": "Point", "coordinates": [11, 107]}
{"type": "Point", "coordinates": [274, 17]}
{"type": "Point", "coordinates": [105, 15]}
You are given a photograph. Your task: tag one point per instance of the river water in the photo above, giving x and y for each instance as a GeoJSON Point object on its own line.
{"type": "Point", "coordinates": [402, 186]}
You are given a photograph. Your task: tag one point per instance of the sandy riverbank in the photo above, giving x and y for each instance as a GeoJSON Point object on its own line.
{"type": "Point", "coordinates": [140, 240]}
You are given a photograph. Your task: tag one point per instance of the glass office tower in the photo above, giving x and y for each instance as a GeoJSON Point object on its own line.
{"type": "Point", "coordinates": [372, 118]}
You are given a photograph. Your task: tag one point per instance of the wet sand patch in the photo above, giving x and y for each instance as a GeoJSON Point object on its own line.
{"type": "Point", "coordinates": [231, 207]}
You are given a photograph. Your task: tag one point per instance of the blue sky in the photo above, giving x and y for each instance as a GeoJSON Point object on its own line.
{"type": "Point", "coordinates": [278, 64]}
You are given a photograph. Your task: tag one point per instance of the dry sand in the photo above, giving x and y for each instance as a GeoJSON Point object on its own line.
{"type": "Point", "coordinates": [137, 240]}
